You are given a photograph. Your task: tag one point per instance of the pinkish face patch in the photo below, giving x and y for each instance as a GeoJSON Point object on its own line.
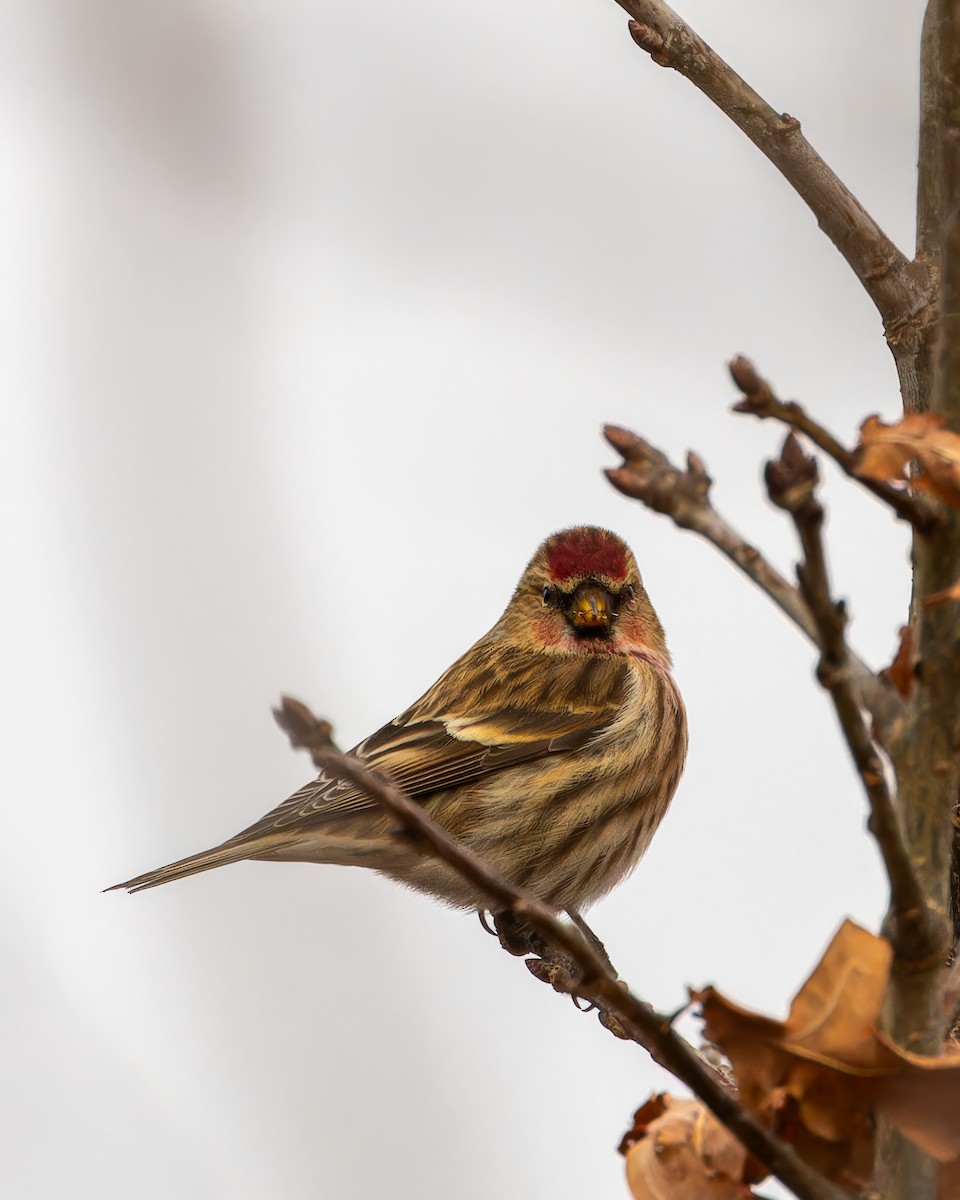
{"type": "Point", "coordinates": [580, 552]}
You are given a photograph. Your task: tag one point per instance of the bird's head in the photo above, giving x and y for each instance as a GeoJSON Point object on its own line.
{"type": "Point", "coordinates": [582, 592]}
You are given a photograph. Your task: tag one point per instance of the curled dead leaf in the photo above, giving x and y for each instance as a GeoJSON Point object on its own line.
{"type": "Point", "coordinates": [948, 1185]}
{"type": "Point", "coordinates": [821, 1077]}
{"type": "Point", "coordinates": [885, 452]}
{"type": "Point", "coordinates": [678, 1148]}
{"type": "Point", "coordinates": [902, 671]}
{"type": "Point", "coordinates": [922, 1099]}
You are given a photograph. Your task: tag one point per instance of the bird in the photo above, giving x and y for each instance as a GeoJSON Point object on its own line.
{"type": "Point", "coordinates": [552, 748]}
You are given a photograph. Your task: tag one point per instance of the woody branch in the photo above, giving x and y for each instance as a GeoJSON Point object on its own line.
{"type": "Point", "coordinates": [903, 290]}
{"type": "Point", "coordinates": [760, 400]}
{"type": "Point", "coordinates": [647, 475]}
{"type": "Point", "coordinates": [584, 974]}
{"type": "Point", "coordinates": [915, 932]}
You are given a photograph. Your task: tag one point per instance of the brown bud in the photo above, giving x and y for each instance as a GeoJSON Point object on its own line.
{"type": "Point", "coordinates": [792, 478]}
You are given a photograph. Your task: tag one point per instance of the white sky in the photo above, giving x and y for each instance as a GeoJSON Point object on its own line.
{"type": "Point", "coordinates": [311, 315]}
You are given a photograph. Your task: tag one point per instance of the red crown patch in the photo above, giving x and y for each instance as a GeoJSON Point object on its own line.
{"type": "Point", "coordinates": [586, 551]}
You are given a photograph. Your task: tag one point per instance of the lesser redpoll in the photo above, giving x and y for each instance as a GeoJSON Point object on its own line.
{"type": "Point", "coordinates": [552, 748]}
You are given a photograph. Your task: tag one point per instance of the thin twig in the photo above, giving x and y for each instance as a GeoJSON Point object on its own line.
{"type": "Point", "coordinates": [594, 981]}
{"type": "Point", "coordinates": [648, 475]}
{"type": "Point", "coordinates": [759, 400]}
{"type": "Point", "coordinates": [902, 290]}
{"type": "Point", "coordinates": [305, 731]}
{"type": "Point", "coordinates": [916, 933]}
{"type": "Point", "coordinates": [684, 496]}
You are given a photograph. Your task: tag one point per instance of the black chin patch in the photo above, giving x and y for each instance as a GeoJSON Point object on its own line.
{"type": "Point", "coordinates": [591, 633]}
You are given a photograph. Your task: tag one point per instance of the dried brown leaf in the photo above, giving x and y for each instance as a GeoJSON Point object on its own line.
{"type": "Point", "coordinates": [848, 1162]}
{"type": "Point", "coordinates": [948, 1185]}
{"type": "Point", "coordinates": [902, 673]}
{"type": "Point", "coordinates": [922, 1099]}
{"type": "Point", "coordinates": [677, 1148]}
{"type": "Point", "coordinates": [643, 1118]}
{"type": "Point", "coordinates": [836, 1011]}
{"type": "Point", "coordinates": [822, 1076]}
{"type": "Point", "coordinates": [885, 452]}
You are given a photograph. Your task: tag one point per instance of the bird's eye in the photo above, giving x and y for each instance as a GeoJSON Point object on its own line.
{"type": "Point", "coordinates": [551, 596]}
{"type": "Point", "coordinates": [628, 592]}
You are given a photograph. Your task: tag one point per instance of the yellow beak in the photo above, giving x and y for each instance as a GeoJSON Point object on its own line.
{"type": "Point", "coordinates": [590, 607]}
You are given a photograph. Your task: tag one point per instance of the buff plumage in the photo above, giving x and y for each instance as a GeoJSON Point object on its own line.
{"type": "Point", "coordinates": [552, 748]}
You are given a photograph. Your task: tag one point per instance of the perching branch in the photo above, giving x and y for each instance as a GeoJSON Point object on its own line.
{"type": "Point", "coordinates": [591, 979]}
{"type": "Point", "coordinates": [760, 401]}
{"type": "Point", "coordinates": [916, 933]}
{"type": "Point", "coordinates": [684, 496]}
{"type": "Point", "coordinates": [902, 290]}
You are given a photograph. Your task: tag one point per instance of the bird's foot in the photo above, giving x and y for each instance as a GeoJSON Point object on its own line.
{"type": "Point", "coordinates": [543, 960]}
{"type": "Point", "coordinates": [516, 936]}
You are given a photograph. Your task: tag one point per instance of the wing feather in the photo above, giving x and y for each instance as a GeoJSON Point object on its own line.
{"type": "Point", "coordinates": [460, 732]}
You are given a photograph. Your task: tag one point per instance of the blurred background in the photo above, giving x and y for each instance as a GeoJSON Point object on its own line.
{"type": "Point", "coordinates": [308, 308]}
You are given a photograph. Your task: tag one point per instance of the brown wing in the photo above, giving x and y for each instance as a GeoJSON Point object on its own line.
{"type": "Point", "coordinates": [461, 731]}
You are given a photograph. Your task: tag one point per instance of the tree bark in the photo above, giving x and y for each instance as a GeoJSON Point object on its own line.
{"type": "Point", "coordinates": [926, 757]}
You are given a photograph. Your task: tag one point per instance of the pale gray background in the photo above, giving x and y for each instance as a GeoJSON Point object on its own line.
{"type": "Point", "coordinates": [311, 315]}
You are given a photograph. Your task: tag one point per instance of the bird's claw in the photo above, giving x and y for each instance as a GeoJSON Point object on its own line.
{"type": "Point", "coordinates": [486, 919]}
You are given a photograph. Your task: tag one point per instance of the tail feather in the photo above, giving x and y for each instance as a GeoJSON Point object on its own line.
{"type": "Point", "coordinates": [206, 860]}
